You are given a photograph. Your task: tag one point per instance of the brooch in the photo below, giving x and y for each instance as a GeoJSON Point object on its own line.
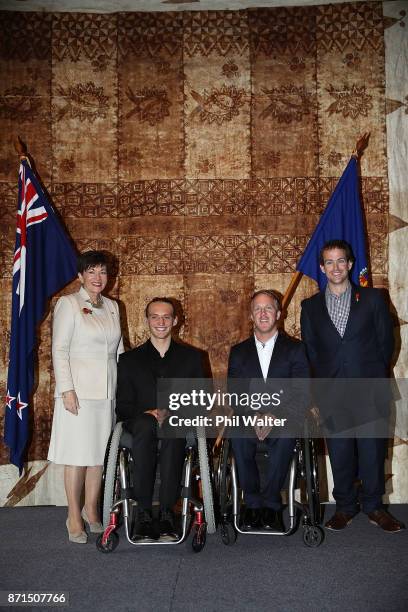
{"type": "Point", "coordinates": [357, 297]}
{"type": "Point", "coordinates": [86, 311]}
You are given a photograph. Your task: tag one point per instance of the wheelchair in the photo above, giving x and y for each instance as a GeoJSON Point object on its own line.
{"type": "Point", "coordinates": [117, 503]}
{"type": "Point", "coordinates": [303, 470]}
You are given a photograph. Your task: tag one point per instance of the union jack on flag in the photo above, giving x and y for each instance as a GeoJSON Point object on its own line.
{"type": "Point", "coordinates": [44, 262]}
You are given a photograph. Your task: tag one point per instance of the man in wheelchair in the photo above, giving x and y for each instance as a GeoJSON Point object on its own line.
{"type": "Point", "coordinates": [136, 404]}
{"type": "Point", "coordinates": [267, 354]}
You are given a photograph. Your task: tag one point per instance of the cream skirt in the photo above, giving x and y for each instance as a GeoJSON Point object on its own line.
{"type": "Point", "coordinates": [81, 439]}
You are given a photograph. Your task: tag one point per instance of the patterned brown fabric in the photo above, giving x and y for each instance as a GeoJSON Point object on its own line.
{"type": "Point", "coordinates": [199, 148]}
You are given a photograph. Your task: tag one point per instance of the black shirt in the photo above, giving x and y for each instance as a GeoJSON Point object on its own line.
{"type": "Point", "coordinates": [139, 369]}
{"type": "Point", "coordinates": [160, 366]}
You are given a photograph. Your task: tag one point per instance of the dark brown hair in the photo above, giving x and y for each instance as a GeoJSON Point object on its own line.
{"type": "Point", "coordinates": [336, 244]}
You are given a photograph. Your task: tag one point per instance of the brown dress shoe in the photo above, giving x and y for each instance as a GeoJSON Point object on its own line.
{"type": "Point", "coordinates": [383, 519]}
{"type": "Point", "coordinates": [339, 521]}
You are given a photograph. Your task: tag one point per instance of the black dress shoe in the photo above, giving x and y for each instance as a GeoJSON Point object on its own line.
{"type": "Point", "coordinates": [144, 530]}
{"type": "Point", "coordinates": [272, 519]}
{"type": "Point", "coordinates": [168, 532]}
{"type": "Point", "coordinates": [252, 519]}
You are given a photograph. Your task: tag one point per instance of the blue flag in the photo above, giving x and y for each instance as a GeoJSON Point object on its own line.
{"type": "Point", "coordinates": [44, 261]}
{"type": "Point", "coordinates": [342, 219]}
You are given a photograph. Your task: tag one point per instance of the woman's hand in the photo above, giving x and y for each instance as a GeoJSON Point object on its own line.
{"type": "Point", "coordinates": [70, 401]}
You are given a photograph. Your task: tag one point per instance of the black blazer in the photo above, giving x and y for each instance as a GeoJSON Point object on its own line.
{"type": "Point", "coordinates": [288, 361]}
{"type": "Point", "coordinates": [366, 348]}
{"type": "Point", "coordinates": [364, 353]}
{"type": "Point", "coordinates": [137, 385]}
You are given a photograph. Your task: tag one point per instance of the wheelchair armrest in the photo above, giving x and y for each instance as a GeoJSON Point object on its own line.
{"type": "Point", "coordinates": [191, 440]}
{"type": "Point", "coordinates": [126, 439]}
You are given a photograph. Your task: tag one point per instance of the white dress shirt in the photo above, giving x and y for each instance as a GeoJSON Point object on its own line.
{"type": "Point", "coordinates": [265, 350]}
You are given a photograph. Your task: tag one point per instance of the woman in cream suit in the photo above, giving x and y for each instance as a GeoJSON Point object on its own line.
{"type": "Point", "coordinates": [86, 343]}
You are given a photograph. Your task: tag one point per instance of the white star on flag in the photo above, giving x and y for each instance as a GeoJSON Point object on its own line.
{"type": "Point", "coordinates": [20, 406]}
{"type": "Point", "coordinates": [9, 399]}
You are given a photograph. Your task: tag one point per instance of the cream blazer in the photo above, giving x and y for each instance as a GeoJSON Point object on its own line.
{"type": "Point", "coordinates": [85, 349]}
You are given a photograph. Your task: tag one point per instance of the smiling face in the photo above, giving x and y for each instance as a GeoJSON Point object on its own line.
{"type": "Point", "coordinates": [94, 280]}
{"type": "Point", "coordinates": [265, 316]}
{"type": "Point", "coordinates": [161, 320]}
{"type": "Point", "coordinates": [336, 267]}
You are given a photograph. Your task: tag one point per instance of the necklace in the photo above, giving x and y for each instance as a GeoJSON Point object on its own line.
{"type": "Point", "coordinates": [97, 304]}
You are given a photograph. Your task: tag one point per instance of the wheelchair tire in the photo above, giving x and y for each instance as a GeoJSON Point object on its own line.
{"type": "Point", "coordinates": [228, 534]}
{"type": "Point", "coordinates": [200, 538]}
{"type": "Point", "coordinates": [313, 536]}
{"type": "Point", "coordinates": [109, 483]}
{"type": "Point", "coordinates": [110, 545]}
{"type": "Point", "coordinates": [206, 481]}
{"type": "Point", "coordinates": [312, 481]}
{"type": "Point", "coordinates": [224, 484]}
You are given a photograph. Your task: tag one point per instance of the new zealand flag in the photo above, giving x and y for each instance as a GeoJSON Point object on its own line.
{"type": "Point", "coordinates": [44, 262]}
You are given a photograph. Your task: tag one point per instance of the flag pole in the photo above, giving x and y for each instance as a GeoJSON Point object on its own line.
{"type": "Point", "coordinates": [361, 145]}
{"type": "Point", "coordinates": [290, 291]}
{"type": "Point", "coordinates": [21, 148]}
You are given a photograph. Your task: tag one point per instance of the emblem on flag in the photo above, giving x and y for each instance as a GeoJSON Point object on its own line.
{"type": "Point", "coordinates": [363, 277]}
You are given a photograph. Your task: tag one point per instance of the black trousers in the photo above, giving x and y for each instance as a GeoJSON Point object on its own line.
{"type": "Point", "coordinates": [145, 438]}
{"type": "Point", "coordinates": [353, 458]}
{"type": "Point", "coordinates": [280, 453]}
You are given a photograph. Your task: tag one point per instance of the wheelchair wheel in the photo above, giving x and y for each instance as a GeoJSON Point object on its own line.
{"type": "Point", "coordinates": [110, 482]}
{"type": "Point", "coordinates": [200, 538]}
{"type": "Point", "coordinates": [312, 481]}
{"type": "Point", "coordinates": [206, 482]}
{"type": "Point", "coordinates": [110, 544]}
{"type": "Point", "coordinates": [313, 536]}
{"type": "Point", "coordinates": [228, 534]}
{"type": "Point", "coordinates": [224, 485]}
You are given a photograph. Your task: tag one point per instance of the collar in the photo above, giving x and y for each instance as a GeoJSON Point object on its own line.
{"type": "Point", "coordinates": [153, 350]}
{"type": "Point", "coordinates": [334, 295]}
{"type": "Point", "coordinates": [84, 295]}
{"type": "Point", "coordinates": [269, 344]}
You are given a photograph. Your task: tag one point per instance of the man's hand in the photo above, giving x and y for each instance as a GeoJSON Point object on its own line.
{"type": "Point", "coordinates": [263, 431]}
{"type": "Point", "coordinates": [160, 415]}
{"type": "Point", "coordinates": [314, 411]}
{"type": "Point", "coordinates": [70, 401]}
